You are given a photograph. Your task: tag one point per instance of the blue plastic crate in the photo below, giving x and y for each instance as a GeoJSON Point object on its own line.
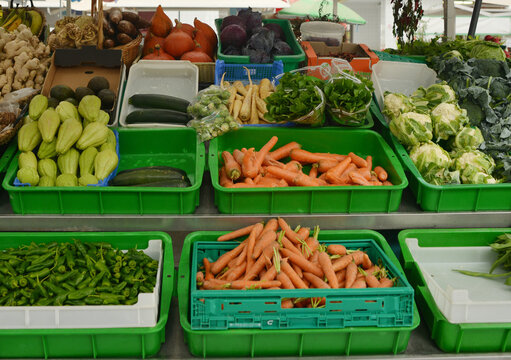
{"type": "Point", "coordinates": [234, 72]}
{"type": "Point", "coordinates": [261, 309]}
{"type": "Point", "coordinates": [103, 182]}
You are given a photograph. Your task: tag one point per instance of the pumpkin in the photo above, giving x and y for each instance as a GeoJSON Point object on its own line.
{"type": "Point", "coordinates": [158, 54]}
{"type": "Point", "coordinates": [189, 29]}
{"type": "Point", "coordinates": [178, 42]}
{"type": "Point", "coordinates": [204, 43]}
{"type": "Point", "coordinates": [208, 32]}
{"type": "Point", "coordinates": [161, 25]}
{"type": "Point", "coordinates": [150, 41]}
{"type": "Point", "coordinates": [196, 55]}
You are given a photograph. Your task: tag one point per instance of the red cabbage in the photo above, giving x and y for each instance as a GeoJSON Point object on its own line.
{"type": "Point", "coordinates": [277, 30]}
{"type": "Point", "coordinates": [232, 19]}
{"type": "Point", "coordinates": [281, 48]}
{"type": "Point", "coordinates": [233, 35]}
{"type": "Point", "coordinates": [253, 20]}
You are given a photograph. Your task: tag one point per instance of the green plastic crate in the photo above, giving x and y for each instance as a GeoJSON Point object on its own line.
{"type": "Point", "coordinates": [234, 309]}
{"type": "Point", "coordinates": [450, 337]}
{"type": "Point", "coordinates": [462, 197]}
{"type": "Point", "coordinates": [138, 148]}
{"type": "Point", "coordinates": [291, 62]}
{"type": "Point", "coordinates": [290, 342]}
{"type": "Point", "coordinates": [321, 199]}
{"type": "Point", "coordinates": [92, 343]}
{"type": "Point", "coordinates": [7, 156]}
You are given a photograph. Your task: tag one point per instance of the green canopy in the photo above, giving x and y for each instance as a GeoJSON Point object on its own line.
{"type": "Point", "coordinates": [302, 8]}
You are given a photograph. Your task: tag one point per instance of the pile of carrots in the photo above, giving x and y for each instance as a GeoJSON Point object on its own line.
{"type": "Point", "coordinates": [247, 168]}
{"type": "Point", "coordinates": [288, 259]}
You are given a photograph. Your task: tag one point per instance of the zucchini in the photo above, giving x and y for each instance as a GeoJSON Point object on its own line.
{"type": "Point", "coordinates": [155, 101]}
{"type": "Point", "coordinates": [169, 183]}
{"type": "Point", "coordinates": [158, 116]}
{"type": "Point", "coordinates": [150, 174]}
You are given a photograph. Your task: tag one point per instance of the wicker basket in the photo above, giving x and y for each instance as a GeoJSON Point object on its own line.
{"type": "Point", "coordinates": [7, 11]}
{"type": "Point", "coordinates": [7, 118]}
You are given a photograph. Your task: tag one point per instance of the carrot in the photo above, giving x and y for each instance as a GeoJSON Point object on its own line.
{"type": "Point", "coordinates": [207, 269]}
{"type": "Point", "coordinates": [326, 265]}
{"type": "Point", "coordinates": [386, 282]}
{"type": "Point", "coordinates": [245, 284]}
{"type": "Point", "coordinates": [224, 179]}
{"type": "Point", "coordinates": [258, 178]}
{"type": "Point", "coordinates": [341, 275]}
{"type": "Point", "coordinates": [336, 249]}
{"type": "Point", "coordinates": [306, 282]}
{"type": "Point", "coordinates": [369, 161]}
{"type": "Point", "coordinates": [306, 157]}
{"type": "Point", "coordinates": [387, 183]}
{"type": "Point", "coordinates": [245, 185]}
{"type": "Point", "coordinates": [372, 281]}
{"type": "Point", "coordinates": [265, 239]}
{"type": "Point", "coordinates": [237, 272]}
{"type": "Point", "coordinates": [272, 182]}
{"type": "Point", "coordinates": [314, 257]}
{"type": "Point", "coordinates": [342, 263]}
{"type": "Point", "coordinates": [236, 233]}
{"type": "Point", "coordinates": [327, 164]}
{"type": "Point", "coordinates": [265, 150]}
{"type": "Point", "coordinates": [268, 160]}
{"type": "Point", "coordinates": [303, 233]}
{"type": "Point", "coordinates": [357, 160]}
{"type": "Point", "coordinates": [270, 274]}
{"type": "Point", "coordinates": [290, 234]}
{"type": "Point", "coordinates": [365, 172]}
{"type": "Point", "coordinates": [302, 262]}
{"type": "Point", "coordinates": [199, 278]}
{"type": "Point", "coordinates": [359, 179]}
{"type": "Point", "coordinates": [249, 181]}
{"type": "Point", "coordinates": [315, 281]}
{"type": "Point", "coordinates": [336, 157]}
{"type": "Point", "coordinates": [351, 274]}
{"type": "Point", "coordinates": [293, 276]}
{"type": "Point", "coordinates": [381, 173]}
{"type": "Point", "coordinates": [287, 244]}
{"type": "Point", "coordinates": [242, 257]}
{"type": "Point", "coordinates": [254, 234]}
{"type": "Point", "coordinates": [224, 259]}
{"type": "Point", "coordinates": [337, 170]}
{"type": "Point", "coordinates": [287, 304]}
{"type": "Point", "coordinates": [255, 269]}
{"type": "Point", "coordinates": [285, 281]}
{"type": "Point", "coordinates": [345, 176]}
{"type": "Point", "coordinates": [342, 284]}
{"type": "Point", "coordinates": [358, 257]}
{"type": "Point", "coordinates": [215, 284]}
{"type": "Point", "coordinates": [304, 180]}
{"type": "Point", "coordinates": [238, 156]}
{"type": "Point", "coordinates": [293, 166]}
{"type": "Point", "coordinates": [248, 168]}
{"type": "Point", "coordinates": [232, 168]}
{"type": "Point", "coordinates": [366, 262]}
{"type": "Point", "coordinates": [359, 284]}
{"type": "Point", "coordinates": [283, 151]}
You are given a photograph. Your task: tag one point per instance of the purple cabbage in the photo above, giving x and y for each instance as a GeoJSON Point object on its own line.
{"type": "Point", "coordinates": [253, 20]}
{"type": "Point", "coordinates": [232, 19]}
{"type": "Point", "coordinates": [277, 30]}
{"type": "Point", "coordinates": [231, 50]}
{"type": "Point", "coordinates": [262, 40]}
{"type": "Point", "coordinates": [281, 48]}
{"type": "Point", "coordinates": [257, 56]}
{"type": "Point", "coordinates": [233, 35]}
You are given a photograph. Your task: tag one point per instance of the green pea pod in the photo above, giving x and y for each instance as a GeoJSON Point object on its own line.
{"type": "Point", "coordinates": [80, 294]}
{"type": "Point", "coordinates": [500, 260]}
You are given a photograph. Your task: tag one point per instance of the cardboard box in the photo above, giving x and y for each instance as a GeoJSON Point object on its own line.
{"type": "Point", "coordinates": [318, 53]}
{"type": "Point", "coordinates": [75, 67]}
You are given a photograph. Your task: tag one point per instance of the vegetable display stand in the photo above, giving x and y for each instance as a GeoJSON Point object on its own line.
{"type": "Point", "coordinates": [453, 337]}
{"type": "Point", "coordinates": [138, 148]}
{"type": "Point", "coordinates": [321, 199]}
{"type": "Point", "coordinates": [291, 62]}
{"type": "Point", "coordinates": [290, 342]}
{"type": "Point", "coordinates": [92, 343]}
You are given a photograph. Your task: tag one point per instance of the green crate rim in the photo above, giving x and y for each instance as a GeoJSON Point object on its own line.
{"type": "Point", "coordinates": [8, 154]}
{"type": "Point", "coordinates": [213, 169]}
{"type": "Point", "coordinates": [183, 290]}
{"type": "Point", "coordinates": [167, 278]}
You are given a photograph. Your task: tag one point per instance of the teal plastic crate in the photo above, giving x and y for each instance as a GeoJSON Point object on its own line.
{"type": "Point", "coordinates": [452, 337]}
{"type": "Point", "coordinates": [235, 309]}
{"type": "Point", "coordinates": [459, 197]}
{"type": "Point", "coordinates": [288, 342]}
{"type": "Point", "coordinates": [320, 199]}
{"type": "Point", "coordinates": [138, 148]}
{"type": "Point", "coordinates": [384, 56]}
{"type": "Point", "coordinates": [92, 343]}
{"type": "Point", "coordinates": [291, 62]}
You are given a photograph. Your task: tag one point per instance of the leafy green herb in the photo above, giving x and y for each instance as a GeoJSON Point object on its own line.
{"type": "Point", "coordinates": [347, 94]}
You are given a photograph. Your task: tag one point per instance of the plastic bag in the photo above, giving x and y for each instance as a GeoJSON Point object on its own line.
{"type": "Point", "coordinates": [210, 113]}
{"type": "Point", "coordinates": [20, 96]}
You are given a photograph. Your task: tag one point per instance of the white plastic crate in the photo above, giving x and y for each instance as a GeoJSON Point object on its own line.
{"type": "Point", "coordinates": [462, 298]}
{"type": "Point", "coordinates": [401, 77]}
{"type": "Point", "coordinates": [142, 314]}
{"type": "Point", "coordinates": [174, 78]}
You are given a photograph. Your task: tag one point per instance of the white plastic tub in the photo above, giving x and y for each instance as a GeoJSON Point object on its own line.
{"type": "Point", "coordinates": [142, 314]}
{"type": "Point", "coordinates": [462, 298]}
{"type": "Point", "coordinates": [324, 31]}
{"type": "Point", "coordinates": [400, 77]}
{"type": "Point", "coordinates": [174, 78]}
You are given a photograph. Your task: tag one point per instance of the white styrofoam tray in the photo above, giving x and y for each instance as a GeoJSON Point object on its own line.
{"type": "Point", "coordinates": [462, 298]}
{"type": "Point", "coordinates": [142, 314]}
{"type": "Point", "coordinates": [175, 78]}
{"type": "Point", "coordinates": [400, 77]}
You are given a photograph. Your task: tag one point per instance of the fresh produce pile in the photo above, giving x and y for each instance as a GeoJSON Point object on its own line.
{"type": "Point", "coordinates": [263, 168]}
{"type": "Point", "coordinates": [502, 246]}
{"type": "Point", "coordinates": [24, 60]}
{"type": "Point", "coordinates": [288, 259]}
{"type": "Point", "coordinates": [246, 103]}
{"type": "Point", "coordinates": [11, 19]}
{"type": "Point", "coordinates": [244, 34]}
{"type": "Point", "coordinates": [483, 87]}
{"type": "Point", "coordinates": [152, 176]}
{"type": "Point", "coordinates": [121, 27]}
{"type": "Point", "coordinates": [433, 114]}
{"type": "Point", "coordinates": [74, 32]}
{"type": "Point", "coordinates": [66, 142]}
{"type": "Point", "coordinates": [196, 43]}
{"type": "Point", "coordinates": [161, 108]}
{"type": "Point", "coordinates": [78, 273]}
{"type": "Point", "coordinates": [211, 114]}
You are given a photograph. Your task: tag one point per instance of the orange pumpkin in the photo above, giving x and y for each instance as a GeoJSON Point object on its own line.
{"type": "Point", "coordinates": [150, 41]}
{"type": "Point", "coordinates": [158, 54]}
{"type": "Point", "coordinates": [161, 25]}
{"type": "Point", "coordinates": [178, 42]}
{"type": "Point", "coordinates": [204, 43]}
{"type": "Point", "coordinates": [207, 31]}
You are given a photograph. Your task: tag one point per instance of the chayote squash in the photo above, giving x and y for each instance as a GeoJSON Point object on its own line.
{"type": "Point", "coordinates": [66, 110]}
{"type": "Point", "coordinates": [87, 179]}
{"type": "Point", "coordinates": [68, 162]}
{"type": "Point", "coordinates": [94, 134]}
{"type": "Point", "coordinates": [37, 106]}
{"type": "Point", "coordinates": [86, 161]}
{"type": "Point", "coordinates": [47, 167]}
{"type": "Point", "coordinates": [46, 181]}
{"type": "Point", "coordinates": [89, 107]}
{"type": "Point", "coordinates": [29, 136]}
{"type": "Point", "coordinates": [28, 175]}
{"type": "Point", "coordinates": [48, 124]}
{"type": "Point", "coordinates": [69, 132]}
{"type": "Point", "coordinates": [27, 159]}
{"type": "Point", "coordinates": [66, 180]}
{"type": "Point", "coordinates": [104, 163]}
{"type": "Point", "coordinates": [47, 149]}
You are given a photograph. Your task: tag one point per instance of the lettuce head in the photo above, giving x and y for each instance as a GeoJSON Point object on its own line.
{"type": "Point", "coordinates": [412, 128]}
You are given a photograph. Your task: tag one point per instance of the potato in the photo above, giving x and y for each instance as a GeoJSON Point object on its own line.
{"type": "Point", "coordinates": [108, 43]}
{"type": "Point", "coordinates": [127, 27]}
{"type": "Point", "coordinates": [130, 16]}
{"type": "Point", "coordinates": [123, 38]}
{"type": "Point", "coordinates": [115, 15]}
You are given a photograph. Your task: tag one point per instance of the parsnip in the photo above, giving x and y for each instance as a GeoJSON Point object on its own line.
{"type": "Point", "coordinates": [232, 90]}
{"type": "Point", "coordinates": [254, 119]}
{"type": "Point", "coordinates": [240, 88]}
{"type": "Point", "coordinates": [236, 109]}
{"type": "Point", "coordinates": [265, 88]}
{"type": "Point", "coordinates": [261, 105]}
{"type": "Point", "coordinates": [245, 112]}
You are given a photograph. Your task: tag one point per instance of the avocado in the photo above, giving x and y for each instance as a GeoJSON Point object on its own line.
{"type": "Point", "coordinates": [62, 92]}
{"type": "Point", "coordinates": [82, 91]}
{"type": "Point", "coordinates": [98, 83]}
{"type": "Point", "coordinates": [72, 101]}
{"type": "Point", "coordinates": [107, 98]}
{"type": "Point", "coordinates": [52, 102]}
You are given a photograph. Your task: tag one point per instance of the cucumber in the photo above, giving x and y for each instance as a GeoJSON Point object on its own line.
{"type": "Point", "coordinates": [169, 183]}
{"type": "Point", "coordinates": [157, 116]}
{"type": "Point", "coordinates": [150, 174]}
{"type": "Point", "coordinates": [155, 101]}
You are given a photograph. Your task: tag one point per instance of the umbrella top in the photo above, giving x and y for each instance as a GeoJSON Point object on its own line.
{"type": "Point", "coordinates": [303, 8]}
